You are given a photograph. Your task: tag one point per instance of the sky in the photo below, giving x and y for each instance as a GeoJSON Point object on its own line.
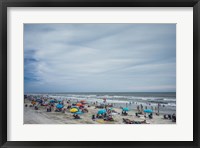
{"type": "Point", "coordinates": [99, 57]}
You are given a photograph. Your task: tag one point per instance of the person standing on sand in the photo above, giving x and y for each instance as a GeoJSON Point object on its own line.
{"type": "Point", "coordinates": [141, 106]}
{"type": "Point", "coordinates": [93, 117]}
{"type": "Point", "coordinates": [158, 107]}
{"type": "Point", "coordinates": [138, 108]}
{"type": "Point", "coordinates": [49, 108]}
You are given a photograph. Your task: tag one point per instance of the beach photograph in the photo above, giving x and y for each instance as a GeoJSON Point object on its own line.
{"type": "Point", "coordinates": [99, 73]}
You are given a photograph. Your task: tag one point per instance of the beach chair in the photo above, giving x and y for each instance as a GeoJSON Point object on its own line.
{"type": "Point", "coordinates": [76, 117]}
{"type": "Point", "coordinates": [151, 116]}
{"type": "Point", "coordinates": [127, 121]}
{"type": "Point", "coordinates": [173, 118]}
{"type": "Point", "coordinates": [169, 117]}
{"type": "Point", "coordinates": [124, 113]}
{"type": "Point", "coordinates": [165, 116]}
{"type": "Point", "coordinates": [85, 110]}
{"type": "Point", "coordinates": [109, 118]}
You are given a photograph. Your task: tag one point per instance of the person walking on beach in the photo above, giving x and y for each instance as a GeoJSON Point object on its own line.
{"type": "Point", "coordinates": [141, 106]}
{"type": "Point", "coordinates": [158, 107]}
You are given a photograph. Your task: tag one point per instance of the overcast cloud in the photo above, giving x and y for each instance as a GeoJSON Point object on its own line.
{"type": "Point", "coordinates": [99, 57]}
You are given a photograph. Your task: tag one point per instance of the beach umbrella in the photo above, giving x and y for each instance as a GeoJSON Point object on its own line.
{"type": "Point", "coordinates": [59, 106]}
{"type": "Point", "coordinates": [148, 111]}
{"type": "Point", "coordinates": [125, 109]}
{"type": "Point", "coordinates": [78, 113]}
{"type": "Point", "coordinates": [101, 111]}
{"type": "Point", "coordinates": [73, 110]}
{"type": "Point", "coordinates": [79, 104]}
{"type": "Point", "coordinates": [52, 101]}
{"type": "Point", "coordinates": [59, 100]}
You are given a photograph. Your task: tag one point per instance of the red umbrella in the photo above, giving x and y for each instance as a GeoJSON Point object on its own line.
{"type": "Point", "coordinates": [79, 104]}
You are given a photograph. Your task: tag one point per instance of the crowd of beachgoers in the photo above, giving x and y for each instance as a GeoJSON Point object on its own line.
{"type": "Point", "coordinates": [40, 109]}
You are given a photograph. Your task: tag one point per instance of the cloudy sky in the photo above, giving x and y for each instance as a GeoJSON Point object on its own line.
{"type": "Point", "coordinates": [100, 57]}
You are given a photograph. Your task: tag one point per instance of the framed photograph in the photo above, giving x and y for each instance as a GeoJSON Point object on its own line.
{"type": "Point", "coordinates": [100, 73]}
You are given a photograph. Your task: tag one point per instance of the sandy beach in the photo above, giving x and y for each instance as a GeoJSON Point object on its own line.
{"type": "Point", "coordinates": [41, 116]}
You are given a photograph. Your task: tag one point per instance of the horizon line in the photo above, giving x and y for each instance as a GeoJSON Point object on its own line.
{"type": "Point", "coordinates": [111, 92]}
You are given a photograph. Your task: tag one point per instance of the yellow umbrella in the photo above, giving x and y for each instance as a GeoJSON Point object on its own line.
{"type": "Point", "coordinates": [73, 110]}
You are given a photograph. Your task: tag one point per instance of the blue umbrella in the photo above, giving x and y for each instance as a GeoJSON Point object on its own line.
{"type": "Point", "coordinates": [148, 111]}
{"type": "Point", "coordinates": [59, 106]}
{"type": "Point", "coordinates": [125, 109]}
{"type": "Point", "coordinates": [101, 111]}
{"type": "Point", "coordinates": [52, 101]}
{"type": "Point", "coordinates": [78, 113]}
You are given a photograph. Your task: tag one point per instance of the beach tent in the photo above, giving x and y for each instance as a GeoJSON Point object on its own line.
{"type": "Point", "coordinates": [148, 111]}
{"type": "Point", "coordinates": [125, 109]}
{"type": "Point", "coordinates": [73, 110]}
{"type": "Point", "coordinates": [101, 111]}
{"type": "Point", "coordinates": [59, 106]}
